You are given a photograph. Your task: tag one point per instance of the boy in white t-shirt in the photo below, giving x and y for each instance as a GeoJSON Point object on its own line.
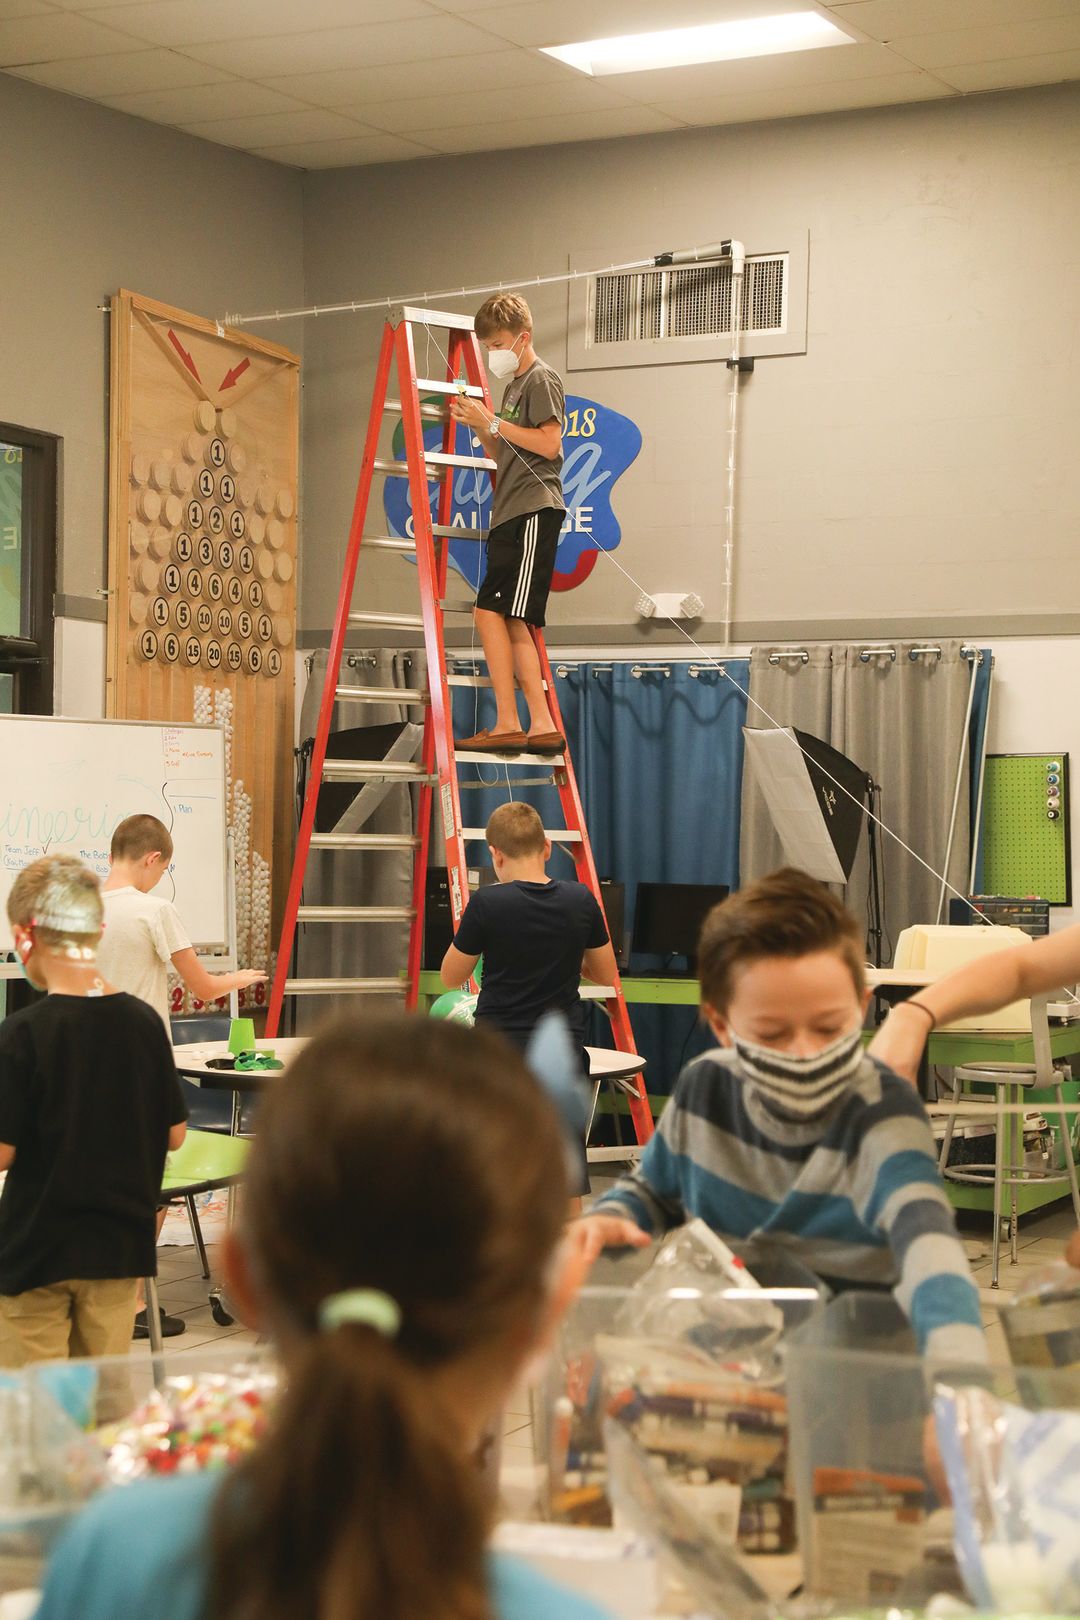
{"type": "Point", "coordinates": [143, 938]}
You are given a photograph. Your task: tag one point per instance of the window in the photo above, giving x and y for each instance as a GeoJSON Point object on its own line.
{"type": "Point", "coordinates": [28, 464]}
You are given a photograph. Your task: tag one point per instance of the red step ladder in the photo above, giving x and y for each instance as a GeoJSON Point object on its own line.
{"type": "Point", "coordinates": [437, 771]}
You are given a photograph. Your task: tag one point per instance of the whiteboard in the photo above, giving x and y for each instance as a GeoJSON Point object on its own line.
{"type": "Point", "coordinates": [66, 784]}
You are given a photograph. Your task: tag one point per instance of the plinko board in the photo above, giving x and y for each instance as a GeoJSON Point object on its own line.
{"type": "Point", "coordinates": [202, 567]}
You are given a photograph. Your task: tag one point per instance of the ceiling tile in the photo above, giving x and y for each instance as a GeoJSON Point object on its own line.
{"type": "Point", "coordinates": [345, 154]}
{"type": "Point", "coordinates": [800, 100]}
{"type": "Point", "coordinates": [548, 131]}
{"type": "Point", "coordinates": [966, 45]}
{"type": "Point", "coordinates": [24, 8]}
{"type": "Point", "coordinates": [658, 86]}
{"type": "Point", "coordinates": [893, 19]}
{"type": "Point", "coordinates": [276, 129]}
{"type": "Point", "coordinates": [231, 98]}
{"type": "Point", "coordinates": [456, 112]}
{"type": "Point", "coordinates": [369, 46]}
{"type": "Point", "coordinates": [505, 69]}
{"type": "Point", "coordinates": [103, 76]}
{"type": "Point", "coordinates": [200, 22]}
{"type": "Point", "coordinates": [562, 22]}
{"type": "Point", "coordinates": [1013, 74]}
{"type": "Point", "coordinates": [56, 38]}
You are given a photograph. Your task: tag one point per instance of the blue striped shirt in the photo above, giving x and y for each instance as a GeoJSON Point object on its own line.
{"type": "Point", "coordinates": [856, 1196]}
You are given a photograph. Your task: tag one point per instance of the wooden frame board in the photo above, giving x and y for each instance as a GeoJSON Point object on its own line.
{"type": "Point", "coordinates": [204, 432]}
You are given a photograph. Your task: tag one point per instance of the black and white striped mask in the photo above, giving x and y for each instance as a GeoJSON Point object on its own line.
{"type": "Point", "coordinates": [800, 1087]}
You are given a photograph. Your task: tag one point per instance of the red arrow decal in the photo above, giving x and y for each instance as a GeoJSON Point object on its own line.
{"type": "Point", "coordinates": [184, 355]}
{"type": "Point", "coordinates": [231, 377]}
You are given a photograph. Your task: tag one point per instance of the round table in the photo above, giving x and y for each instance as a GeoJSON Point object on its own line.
{"type": "Point", "coordinates": [618, 1070]}
{"type": "Point", "coordinates": [192, 1057]}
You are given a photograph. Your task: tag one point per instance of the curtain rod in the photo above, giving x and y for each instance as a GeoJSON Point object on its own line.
{"type": "Point", "coordinates": [713, 251]}
{"type": "Point", "coordinates": [780, 654]}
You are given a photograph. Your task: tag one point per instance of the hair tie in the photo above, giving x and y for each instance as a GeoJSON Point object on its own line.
{"type": "Point", "coordinates": [368, 1306]}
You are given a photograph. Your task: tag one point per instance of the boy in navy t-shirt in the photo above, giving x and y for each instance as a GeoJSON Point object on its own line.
{"type": "Point", "coordinates": [537, 935]}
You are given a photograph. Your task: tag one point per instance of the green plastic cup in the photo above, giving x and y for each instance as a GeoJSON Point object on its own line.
{"type": "Point", "coordinates": [242, 1035]}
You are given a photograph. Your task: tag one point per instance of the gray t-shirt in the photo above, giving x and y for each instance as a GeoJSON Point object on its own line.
{"type": "Point", "coordinates": [525, 482]}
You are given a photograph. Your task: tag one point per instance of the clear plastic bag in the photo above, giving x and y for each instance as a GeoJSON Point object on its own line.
{"type": "Point", "coordinates": [1042, 1319]}
{"type": "Point", "coordinates": [1015, 1482]}
{"type": "Point", "coordinates": [48, 1469]}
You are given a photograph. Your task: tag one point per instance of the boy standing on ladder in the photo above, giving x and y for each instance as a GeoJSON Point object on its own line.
{"type": "Point", "coordinates": [527, 514]}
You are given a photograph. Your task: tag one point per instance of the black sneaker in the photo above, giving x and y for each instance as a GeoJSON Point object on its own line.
{"type": "Point", "coordinates": [171, 1326]}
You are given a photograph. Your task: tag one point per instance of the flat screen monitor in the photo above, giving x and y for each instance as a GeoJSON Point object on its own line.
{"type": "Point", "coordinates": [668, 917]}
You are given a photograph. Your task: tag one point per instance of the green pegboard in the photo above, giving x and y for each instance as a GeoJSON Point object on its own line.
{"type": "Point", "coordinates": [1025, 852]}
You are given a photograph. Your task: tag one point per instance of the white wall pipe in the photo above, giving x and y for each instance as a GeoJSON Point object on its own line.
{"type": "Point", "coordinates": [738, 270]}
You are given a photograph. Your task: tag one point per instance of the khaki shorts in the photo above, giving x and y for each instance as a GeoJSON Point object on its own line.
{"type": "Point", "coordinates": [91, 1318]}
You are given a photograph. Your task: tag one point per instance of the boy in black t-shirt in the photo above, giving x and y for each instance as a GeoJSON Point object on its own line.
{"type": "Point", "coordinates": [90, 1102]}
{"type": "Point", "coordinates": [537, 935]}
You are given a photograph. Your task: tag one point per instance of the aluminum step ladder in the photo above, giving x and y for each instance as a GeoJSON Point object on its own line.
{"type": "Point", "coordinates": [436, 773]}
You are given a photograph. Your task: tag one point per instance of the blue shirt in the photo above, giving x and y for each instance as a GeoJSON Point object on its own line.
{"type": "Point", "coordinates": [139, 1552]}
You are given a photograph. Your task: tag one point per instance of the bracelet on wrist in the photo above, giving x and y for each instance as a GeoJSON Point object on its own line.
{"type": "Point", "coordinates": [921, 1007]}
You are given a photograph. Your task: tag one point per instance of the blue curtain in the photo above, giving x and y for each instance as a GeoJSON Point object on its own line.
{"type": "Point", "coordinates": [658, 757]}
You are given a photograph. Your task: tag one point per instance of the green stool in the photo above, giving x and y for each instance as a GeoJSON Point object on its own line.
{"type": "Point", "coordinates": [206, 1161]}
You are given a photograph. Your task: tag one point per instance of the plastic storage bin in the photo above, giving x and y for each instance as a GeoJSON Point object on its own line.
{"type": "Point", "coordinates": [869, 1525]}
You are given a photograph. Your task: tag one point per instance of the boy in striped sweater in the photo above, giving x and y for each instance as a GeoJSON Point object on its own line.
{"type": "Point", "coordinates": [790, 1133]}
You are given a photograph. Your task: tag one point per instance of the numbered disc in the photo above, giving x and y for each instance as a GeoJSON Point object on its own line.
{"type": "Point", "coordinates": [273, 662]}
{"type": "Point", "coordinates": [193, 582]}
{"type": "Point", "coordinates": [234, 655]}
{"type": "Point", "coordinates": [193, 650]}
{"type": "Point", "coordinates": [255, 593]}
{"type": "Point", "coordinates": [245, 559]}
{"type": "Point", "coordinates": [148, 644]}
{"type": "Point", "coordinates": [226, 554]}
{"type": "Point", "coordinates": [184, 548]}
{"type": "Point", "coordinates": [254, 659]}
{"type": "Point", "coordinates": [159, 611]}
{"type": "Point", "coordinates": [237, 525]}
{"type": "Point", "coordinates": [213, 654]}
{"type": "Point", "coordinates": [215, 520]}
{"type": "Point", "coordinates": [205, 549]}
{"type": "Point", "coordinates": [215, 587]}
{"type": "Point", "coordinates": [182, 614]}
{"type": "Point", "coordinates": [194, 514]}
{"type": "Point", "coordinates": [234, 591]}
{"type": "Point", "coordinates": [243, 624]}
{"type": "Point", "coordinates": [204, 618]}
{"type": "Point", "coordinates": [215, 453]}
{"type": "Point", "coordinates": [170, 647]}
{"type": "Point", "coordinates": [227, 488]}
{"type": "Point", "coordinates": [205, 484]}
{"type": "Point", "coordinates": [265, 627]}
{"type": "Point", "coordinates": [171, 578]}
{"type": "Point", "coordinates": [224, 622]}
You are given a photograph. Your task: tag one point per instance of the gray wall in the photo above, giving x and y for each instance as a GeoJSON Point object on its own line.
{"type": "Point", "coordinates": [915, 470]}
{"type": "Point", "coordinates": [90, 201]}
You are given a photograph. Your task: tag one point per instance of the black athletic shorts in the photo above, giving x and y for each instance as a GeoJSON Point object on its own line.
{"type": "Point", "coordinates": [520, 563]}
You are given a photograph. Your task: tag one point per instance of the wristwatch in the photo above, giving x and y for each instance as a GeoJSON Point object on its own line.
{"type": "Point", "coordinates": [495, 426]}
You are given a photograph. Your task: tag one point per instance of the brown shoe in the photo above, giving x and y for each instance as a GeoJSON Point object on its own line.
{"type": "Point", "coordinates": [546, 742]}
{"type": "Point", "coordinates": [493, 742]}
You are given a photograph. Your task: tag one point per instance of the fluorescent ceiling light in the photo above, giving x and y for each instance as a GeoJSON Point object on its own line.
{"type": "Point", "coordinates": [714, 42]}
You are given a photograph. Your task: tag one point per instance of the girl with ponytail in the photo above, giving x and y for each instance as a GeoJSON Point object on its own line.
{"type": "Point", "coordinates": [399, 1239]}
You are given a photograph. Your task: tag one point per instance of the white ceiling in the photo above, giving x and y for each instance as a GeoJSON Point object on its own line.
{"type": "Point", "coordinates": [327, 83]}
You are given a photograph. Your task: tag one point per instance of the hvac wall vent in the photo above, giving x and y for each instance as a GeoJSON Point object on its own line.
{"type": "Point", "coordinates": [689, 302]}
{"type": "Point", "coordinates": [682, 313]}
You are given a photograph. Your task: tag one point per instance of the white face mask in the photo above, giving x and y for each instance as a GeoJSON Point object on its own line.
{"type": "Point", "coordinates": [502, 363]}
{"type": "Point", "coordinates": [800, 1087]}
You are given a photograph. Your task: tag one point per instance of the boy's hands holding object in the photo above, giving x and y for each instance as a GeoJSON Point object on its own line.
{"type": "Point", "coordinates": [471, 413]}
{"type": "Point", "coordinates": [592, 1233]}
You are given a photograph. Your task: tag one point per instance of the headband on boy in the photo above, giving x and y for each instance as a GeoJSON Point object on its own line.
{"type": "Point", "coordinates": [369, 1307]}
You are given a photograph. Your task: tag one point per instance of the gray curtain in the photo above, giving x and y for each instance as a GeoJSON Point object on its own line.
{"type": "Point", "coordinates": [904, 720]}
{"type": "Point", "coordinates": [360, 877]}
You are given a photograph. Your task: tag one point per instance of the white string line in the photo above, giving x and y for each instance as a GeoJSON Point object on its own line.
{"type": "Point", "coordinates": [354, 307]}
{"type": "Point", "coordinates": [773, 722]}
